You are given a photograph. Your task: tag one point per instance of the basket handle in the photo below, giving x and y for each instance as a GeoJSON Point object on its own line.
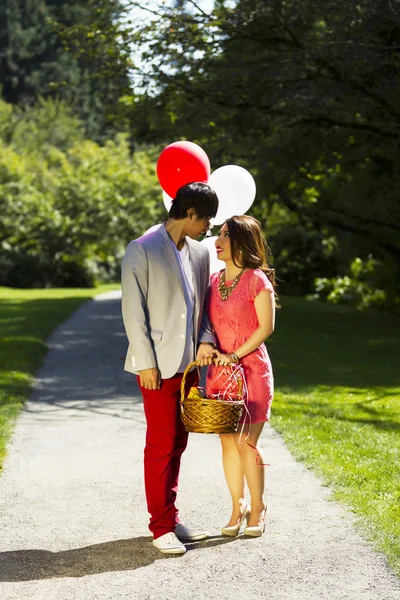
{"type": "Point", "coordinates": [196, 363]}
{"type": "Point", "coordinates": [183, 382]}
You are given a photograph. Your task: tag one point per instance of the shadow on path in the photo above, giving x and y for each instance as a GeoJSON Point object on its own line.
{"type": "Point", "coordinates": [118, 555]}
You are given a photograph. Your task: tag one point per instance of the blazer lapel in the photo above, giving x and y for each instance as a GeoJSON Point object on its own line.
{"type": "Point", "coordinates": [170, 254]}
{"type": "Point", "coordinates": [195, 260]}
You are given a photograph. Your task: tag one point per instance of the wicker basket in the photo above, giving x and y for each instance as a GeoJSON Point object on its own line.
{"type": "Point", "coordinates": [209, 415]}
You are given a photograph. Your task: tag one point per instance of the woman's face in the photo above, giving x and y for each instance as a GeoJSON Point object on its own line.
{"type": "Point", "coordinates": [223, 244]}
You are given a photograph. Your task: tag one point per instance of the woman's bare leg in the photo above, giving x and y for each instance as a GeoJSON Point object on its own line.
{"type": "Point", "coordinates": [234, 476]}
{"type": "Point", "coordinates": [254, 474]}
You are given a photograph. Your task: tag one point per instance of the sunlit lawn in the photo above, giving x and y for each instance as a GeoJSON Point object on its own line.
{"type": "Point", "coordinates": [27, 318]}
{"type": "Point", "coordinates": [337, 405]}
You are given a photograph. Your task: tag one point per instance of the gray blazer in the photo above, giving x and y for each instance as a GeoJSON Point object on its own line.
{"type": "Point", "coordinates": [153, 302]}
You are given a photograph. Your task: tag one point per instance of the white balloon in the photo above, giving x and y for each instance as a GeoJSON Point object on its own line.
{"type": "Point", "coordinates": [236, 190]}
{"type": "Point", "coordinates": [215, 264]}
{"type": "Point", "coordinates": [167, 200]}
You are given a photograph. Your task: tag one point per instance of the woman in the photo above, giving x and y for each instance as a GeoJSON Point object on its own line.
{"type": "Point", "coordinates": [241, 307]}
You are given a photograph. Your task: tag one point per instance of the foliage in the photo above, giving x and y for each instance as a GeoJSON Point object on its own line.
{"type": "Point", "coordinates": [68, 211]}
{"type": "Point", "coordinates": [35, 59]}
{"type": "Point", "coordinates": [359, 289]}
{"type": "Point", "coordinates": [300, 255]}
{"type": "Point", "coordinates": [302, 94]}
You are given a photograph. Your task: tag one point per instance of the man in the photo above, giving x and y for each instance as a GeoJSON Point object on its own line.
{"type": "Point", "coordinates": [165, 275]}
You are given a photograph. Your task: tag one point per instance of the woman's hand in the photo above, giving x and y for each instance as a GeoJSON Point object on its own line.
{"type": "Point", "coordinates": [222, 359]}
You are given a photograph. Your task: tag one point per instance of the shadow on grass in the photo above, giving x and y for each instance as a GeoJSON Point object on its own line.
{"type": "Point", "coordinates": [386, 421]}
{"type": "Point", "coordinates": [24, 327]}
{"type": "Point", "coordinates": [118, 555]}
{"type": "Point", "coordinates": [320, 344]}
{"type": "Point", "coordinates": [36, 317]}
{"type": "Point", "coordinates": [83, 372]}
{"type": "Point", "coordinates": [315, 344]}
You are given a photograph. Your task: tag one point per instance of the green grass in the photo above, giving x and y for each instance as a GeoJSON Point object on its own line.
{"type": "Point", "coordinates": [337, 404]}
{"type": "Point", "coordinates": [27, 318]}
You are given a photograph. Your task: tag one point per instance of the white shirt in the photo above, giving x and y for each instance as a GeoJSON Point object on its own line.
{"type": "Point", "coordinates": [188, 287]}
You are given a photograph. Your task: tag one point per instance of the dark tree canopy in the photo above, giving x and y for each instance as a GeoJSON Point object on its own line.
{"type": "Point", "coordinates": [36, 59]}
{"type": "Point", "coordinates": [305, 94]}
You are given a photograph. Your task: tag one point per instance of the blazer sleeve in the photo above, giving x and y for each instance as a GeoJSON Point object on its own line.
{"type": "Point", "coordinates": [134, 283]}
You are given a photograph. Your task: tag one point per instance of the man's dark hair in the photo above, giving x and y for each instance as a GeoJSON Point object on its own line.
{"type": "Point", "coordinates": [194, 195]}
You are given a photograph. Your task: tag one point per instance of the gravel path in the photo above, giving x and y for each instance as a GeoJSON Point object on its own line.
{"type": "Point", "coordinates": [72, 512]}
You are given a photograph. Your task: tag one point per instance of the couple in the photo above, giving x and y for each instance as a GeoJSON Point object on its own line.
{"type": "Point", "coordinates": [174, 314]}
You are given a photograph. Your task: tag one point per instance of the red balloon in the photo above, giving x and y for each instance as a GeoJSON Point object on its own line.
{"type": "Point", "coordinates": [181, 163]}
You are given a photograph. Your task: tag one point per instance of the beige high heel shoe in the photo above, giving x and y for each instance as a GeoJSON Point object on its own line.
{"type": "Point", "coordinates": [257, 530]}
{"type": "Point", "coordinates": [233, 530]}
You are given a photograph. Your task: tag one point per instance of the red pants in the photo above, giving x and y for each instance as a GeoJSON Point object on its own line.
{"type": "Point", "coordinates": [166, 439]}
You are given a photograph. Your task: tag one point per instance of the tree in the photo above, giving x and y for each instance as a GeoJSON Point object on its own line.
{"type": "Point", "coordinates": [304, 94]}
{"type": "Point", "coordinates": [69, 206]}
{"type": "Point", "coordinates": [35, 59]}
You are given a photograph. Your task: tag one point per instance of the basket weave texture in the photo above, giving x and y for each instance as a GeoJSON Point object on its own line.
{"type": "Point", "coordinates": [210, 415]}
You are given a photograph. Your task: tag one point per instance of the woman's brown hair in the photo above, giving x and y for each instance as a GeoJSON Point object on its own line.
{"type": "Point", "coordinates": [248, 241]}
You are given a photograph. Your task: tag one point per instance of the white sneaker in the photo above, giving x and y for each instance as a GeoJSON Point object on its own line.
{"type": "Point", "coordinates": [185, 534]}
{"type": "Point", "coordinates": [169, 544]}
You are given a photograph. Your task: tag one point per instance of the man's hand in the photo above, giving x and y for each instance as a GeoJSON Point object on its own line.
{"type": "Point", "coordinates": [205, 354]}
{"type": "Point", "coordinates": [150, 379]}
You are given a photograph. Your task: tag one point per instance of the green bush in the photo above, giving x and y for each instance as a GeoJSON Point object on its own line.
{"type": "Point", "coordinates": [358, 289]}
{"type": "Point", "coordinates": [69, 206]}
{"type": "Point", "coordinates": [24, 270]}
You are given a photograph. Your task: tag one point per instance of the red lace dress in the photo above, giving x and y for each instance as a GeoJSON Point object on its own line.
{"type": "Point", "coordinates": [234, 320]}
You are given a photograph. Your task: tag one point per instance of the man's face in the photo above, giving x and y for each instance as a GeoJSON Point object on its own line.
{"type": "Point", "coordinates": [196, 226]}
